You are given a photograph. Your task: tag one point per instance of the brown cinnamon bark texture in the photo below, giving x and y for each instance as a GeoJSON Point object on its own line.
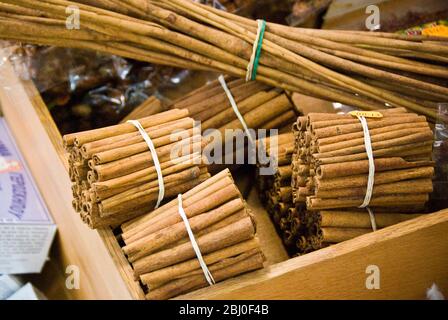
{"type": "Point", "coordinates": [275, 191]}
{"type": "Point", "coordinates": [330, 170]}
{"type": "Point", "coordinates": [363, 69]}
{"type": "Point", "coordinates": [113, 172]}
{"type": "Point", "coordinates": [161, 253]}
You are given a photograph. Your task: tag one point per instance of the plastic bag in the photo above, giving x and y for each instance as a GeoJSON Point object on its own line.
{"type": "Point", "coordinates": [86, 89]}
{"type": "Point", "coordinates": [439, 198]}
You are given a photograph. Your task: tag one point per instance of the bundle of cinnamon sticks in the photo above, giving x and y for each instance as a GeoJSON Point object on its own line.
{"type": "Point", "coordinates": [330, 170]}
{"type": "Point", "coordinates": [363, 69]}
{"type": "Point", "coordinates": [160, 250]}
{"type": "Point", "coordinates": [260, 105]}
{"type": "Point", "coordinates": [114, 174]}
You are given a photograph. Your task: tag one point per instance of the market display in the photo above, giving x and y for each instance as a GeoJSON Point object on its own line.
{"type": "Point", "coordinates": [306, 199]}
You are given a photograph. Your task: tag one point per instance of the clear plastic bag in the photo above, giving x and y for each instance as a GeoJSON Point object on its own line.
{"type": "Point", "coordinates": [439, 198]}
{"type": "Point", "coordinates": [86, 89]}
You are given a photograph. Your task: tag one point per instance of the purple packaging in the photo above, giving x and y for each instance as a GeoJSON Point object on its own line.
{"type": "Point", "coordinates": [26, 227]}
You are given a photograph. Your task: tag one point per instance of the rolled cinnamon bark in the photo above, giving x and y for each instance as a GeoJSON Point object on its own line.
{"type": "Point", "coordinates": [211, 89]}
{"type": "Point", "coordinates": [317, 117]}
{"type": "Point", "coordinates": [258, 116]}
{"type": "Point", "coordinates": [122, 167]}
{"type": "Point", "coordinates": [241, 92]}
{"type": "Point", "coordinates": [330, 170]}
{"type": "Point", "coordinates": [144, 193]}
{"type": "Point", "coordinates": [227, 236]}
{"type": "Point", "coordinates": [360, 134]}
{"type": "Point", "coordinates": [157, 131]}
{"type": "Point", "coordinates": [202, 201]}
{"type": "Point", "coordinates": [223, 117]}
{"type": "Point", "coordinates": [148, 200]}
{"type": "Point", "coordinates": [211, 105]}
{"type": "Point", "coordinates": [276, 192]}
{"type": "Point", "coordinates": [314, 203]}
{"type": "Point", "coordinates": [282, 122]}
{"type": "Point", "coordinates": [356, 127]}
{"type": "Point", "coordinates": [361, 219]}
{"type": "Point", "coordinates": [131, 227]}
{"type": "Point", "coordinates": [95, 221]}
{"type": "Point", "coordinates": [404, 151]}
{"type": "Point", "coordinates": [114, 173]}
{"type": "Point", "coordinates": [203, 113]}
{"type": "Point", "coordinates": [347, 121]}
{"type": "Point", "coordinates": [186, 284]}
{"type": "Point", "coordinates": [175, 232]}
{"type": "Point", "coordinates": [156, 278]}
{"type": "Point", "coordinates": [78, 139]}
{"type": "Point", "coordinates": [380, 178]}
{"type": "Point", "coordinates": [239, 215]}
{"type": "Point", "coordinates": [160, 249]}
{"type": "Point", "coordinates": [136, 148]}
{"type": "Point", "coordinates": [359, 167]}
{"type": "Point", "coordinates": [424, 135]}
{"type": "Point", "coordinates": [401, 187]}
{"type": "Point", "coordinates": [108, 188]}
{"type": "Point", "coordinates": [375, 138]}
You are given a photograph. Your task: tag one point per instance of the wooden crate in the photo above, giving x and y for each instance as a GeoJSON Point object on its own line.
{"type": "Point", "coordinates": [411, 255]}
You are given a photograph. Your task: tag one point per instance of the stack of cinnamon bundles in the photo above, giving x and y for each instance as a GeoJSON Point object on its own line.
{"type": "Point", "coordinates": [114, 174]}
{"type": "Point", "coordinates": [330, 170]}
{"type": "Point", "coordinates": [160, 250]}
{"type": "Point", "coordinates": [260, 105]}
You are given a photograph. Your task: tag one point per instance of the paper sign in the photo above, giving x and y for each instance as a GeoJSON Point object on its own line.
{"type": "Point", "coordinates": [26, 227]}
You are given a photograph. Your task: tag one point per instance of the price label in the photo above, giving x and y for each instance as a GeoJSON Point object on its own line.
{"type": "Point", "coordinates": [366, 114]}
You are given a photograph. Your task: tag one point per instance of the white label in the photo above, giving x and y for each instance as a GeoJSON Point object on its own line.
{"type": "Point", "coordinates": [24, 248]}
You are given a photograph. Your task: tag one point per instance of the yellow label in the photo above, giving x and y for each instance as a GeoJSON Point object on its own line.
{"type": "Point", "coordinates": [438, 31]}
{"type": "Point", "coordinates": [366, 114]}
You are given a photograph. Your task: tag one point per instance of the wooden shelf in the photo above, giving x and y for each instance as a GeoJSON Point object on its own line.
{"type": "Point", "coordinates": [411, 255]}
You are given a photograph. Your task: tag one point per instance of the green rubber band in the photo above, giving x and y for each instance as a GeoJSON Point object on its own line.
{"type": "Point", "coordinates": [258, 54]}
